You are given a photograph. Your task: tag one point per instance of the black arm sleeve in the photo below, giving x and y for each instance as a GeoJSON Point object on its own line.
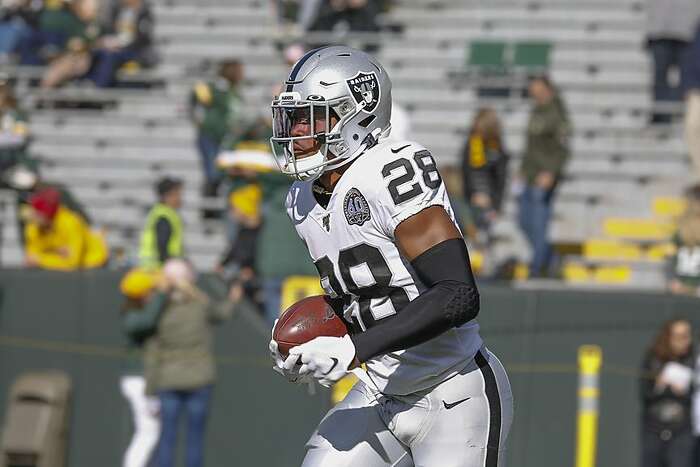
{"type": "Point", "coordinates": [451, 300]}
{"type": "Point", "coordinates": [163, 232]}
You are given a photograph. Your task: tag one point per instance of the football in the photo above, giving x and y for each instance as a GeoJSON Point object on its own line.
{"type": "Point", "coordinates": [306, 319]}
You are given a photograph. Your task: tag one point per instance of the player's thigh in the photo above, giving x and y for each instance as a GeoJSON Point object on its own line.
{"type": "Point", "coordinates": [471, 417]}
{"type": "Point", "coordinates": [353, 434]}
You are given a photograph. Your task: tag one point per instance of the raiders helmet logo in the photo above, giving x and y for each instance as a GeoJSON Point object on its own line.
{"type": "Point", "coordinates": [364, 87]}
{"type": "Point", "coordinates": [355, 207]}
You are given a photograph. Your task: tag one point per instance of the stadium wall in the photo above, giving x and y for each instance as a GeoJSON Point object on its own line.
{"type": "Point", "coordinates": [71, 322]}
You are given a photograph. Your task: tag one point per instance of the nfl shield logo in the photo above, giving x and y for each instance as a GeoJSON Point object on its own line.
{"type": "Point", "coordinates": [364, 87]}
{"type": "Point", "coordinates": [356, 207]}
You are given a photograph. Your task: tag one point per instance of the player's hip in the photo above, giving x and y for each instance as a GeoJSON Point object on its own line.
{"type": "Point", "coordinates": [473, 408]}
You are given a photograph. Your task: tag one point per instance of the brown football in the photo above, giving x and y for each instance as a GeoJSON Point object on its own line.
{"type": "Point", "coordinates": [306, 319]}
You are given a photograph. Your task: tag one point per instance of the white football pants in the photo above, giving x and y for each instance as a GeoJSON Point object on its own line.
{"type": "Point", "coordinates": [146, 422]}
{"type": "Point", "coordinates": [462, 422]}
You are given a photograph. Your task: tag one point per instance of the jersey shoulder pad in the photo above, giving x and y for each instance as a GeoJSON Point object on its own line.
{"type": "Point", "coordinates": [299, 201]}
{"type": "Point", "coordinates": [404, 180]}
{"type": "Point", "coordinates": [372, 164]}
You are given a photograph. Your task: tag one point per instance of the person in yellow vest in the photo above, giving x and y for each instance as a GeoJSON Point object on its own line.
{"type": "Point", "coordinates": [59, 239]}
{"type": "Point", "coordinates": [162, 236]}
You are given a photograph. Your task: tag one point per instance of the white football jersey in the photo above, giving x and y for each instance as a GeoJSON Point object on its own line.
{"type": "Point", "coordinates": [351, 242]}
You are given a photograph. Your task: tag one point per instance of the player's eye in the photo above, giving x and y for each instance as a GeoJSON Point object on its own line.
{"type": "Point", "coordinates": [301, 117]}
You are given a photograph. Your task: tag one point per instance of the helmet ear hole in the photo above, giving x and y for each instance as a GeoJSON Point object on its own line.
{"type": "Point", "coordinates": [355, 136]}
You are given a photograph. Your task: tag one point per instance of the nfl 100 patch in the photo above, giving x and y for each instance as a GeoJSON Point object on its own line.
{"type": "Point", "coordinates": [355, 207]}
{"type": "Point", "coordinates": [364, 87]}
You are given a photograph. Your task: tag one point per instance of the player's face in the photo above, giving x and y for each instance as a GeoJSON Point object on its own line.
{"type": "Point", "coordinates": [304, 122]}
{"type": "Point", "coordinates": [680, 338]}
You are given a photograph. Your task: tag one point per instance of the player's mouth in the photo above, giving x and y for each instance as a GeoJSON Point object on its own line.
{"type": "Point", "coordinates": [303, 148]}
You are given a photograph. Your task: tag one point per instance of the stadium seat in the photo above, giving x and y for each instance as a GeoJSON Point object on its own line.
{"type": "Point", "coordinates": [487, 56]}
{"type": "Point", "coordinates": [638, 229]}
{"type": "Point", "coordinates": [532, 57]}
{"type": "Point", "coordinates": [667, 206]}
{"type": "Point", "coordinates": [596, 249]}
{"type": "Point", "coordinates": [613, 275]}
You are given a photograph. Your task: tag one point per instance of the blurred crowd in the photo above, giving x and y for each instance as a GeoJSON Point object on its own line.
{"type": "Point", "coordinates": [77, 39]}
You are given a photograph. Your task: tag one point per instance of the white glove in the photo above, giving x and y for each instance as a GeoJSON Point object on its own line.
{"type": "Point", "coordinates": [292, 375]}
{"type": "Point", "coordinates": [325, 358]}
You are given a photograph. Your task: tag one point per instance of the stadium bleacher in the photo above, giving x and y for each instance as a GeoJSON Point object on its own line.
{"type": "Point", "coordinates": [110, 157]}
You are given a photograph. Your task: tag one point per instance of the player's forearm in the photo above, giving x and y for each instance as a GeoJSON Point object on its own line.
{"type": "Point", "coordinates": [445, 305]}
{"type": "Point", "coordinates": [451, 300]}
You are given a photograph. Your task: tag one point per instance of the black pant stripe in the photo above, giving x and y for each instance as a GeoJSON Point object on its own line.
{"type": "Point", "coordinates": [491, 389]}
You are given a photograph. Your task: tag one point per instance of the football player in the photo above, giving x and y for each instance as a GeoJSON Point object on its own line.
{"type": "Point", "coordinates": [377, 221]}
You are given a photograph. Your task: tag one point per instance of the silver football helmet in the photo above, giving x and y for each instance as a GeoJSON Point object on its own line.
{"type": "Point", "coordinates": [335, 104]}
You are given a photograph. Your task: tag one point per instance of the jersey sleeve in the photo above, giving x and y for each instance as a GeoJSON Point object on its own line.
{"type": "Point", "coordinates": [409, 183]}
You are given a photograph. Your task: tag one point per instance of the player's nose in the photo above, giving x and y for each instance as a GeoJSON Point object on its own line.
{"type": "Point", "coordinates": [299, 129]}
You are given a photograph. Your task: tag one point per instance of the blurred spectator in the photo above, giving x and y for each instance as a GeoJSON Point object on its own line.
{"type": "Point", "coordinates": [77, 59]}
{"type": "Point", "coordinates": [484, 169]}
{"type": "Point", "coordinates": [162, 236]}
{"type": "Point", "coordinates": [184, 369]}
{"type": "Point", "coordinates": [356, 15]}
{"type": "Point", "coordinates": [685, 264]}
{"type": "Point", "coordinates": [146, 294]}
{"type": "Point", "coordinates": [666, 381]}
{"type": "Point", "coordinates": [26, 181]}
{"type": "Point", "coordinates": [692, 103]}
{"type": "Point", "coordinates": [129, 38]}
{"type": "Point", "coordinates": [17, 20]}
{"type": "Point", "coordinates": [14, 129]}
{"type": "Point", "coordinates": [670, 28]}
{"type": "Point", "coordinates": [248, 159]}
{"type": "Point", "coordinates": [300, 14]}
{"type": "Point", "coordinates": [280, 253]}
{"type": "Point", "coordinates": [215, 109]}
{"type": "Point", "coordinates": [57, 238]}
{"type": "Point", "coordinates": [56, 23]}
{"type": "Point", "coordinates": [542, 168]}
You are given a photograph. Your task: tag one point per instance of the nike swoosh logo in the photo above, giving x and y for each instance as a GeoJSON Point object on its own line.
{"type": "Point", "coordinates": [449, 406]}
{"type": "Point", "coordinates": [335, 363]}
{"type": "Point", "coordinates": [395, 151]}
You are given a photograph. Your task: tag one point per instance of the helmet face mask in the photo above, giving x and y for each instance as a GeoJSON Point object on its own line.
{"type": "Point", "coordinates": [303, 142]}
{"type": "Point", "coordinates": [331, 111]}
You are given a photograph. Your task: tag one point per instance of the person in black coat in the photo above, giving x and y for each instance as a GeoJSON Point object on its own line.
{"type": "Point", "coordinates": [666, 394]}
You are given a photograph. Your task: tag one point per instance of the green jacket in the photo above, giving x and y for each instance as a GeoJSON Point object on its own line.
{"type": "Point", "coordinates": [548, 134]}
{"type": "Point", "coordinates": [281, 252]}
{"type": "Point", "coordinates": [140, 324]}
{"type": "Point", "coordinates": [216, 109]}
{"type": "Point", "coordinates": [180, 354]}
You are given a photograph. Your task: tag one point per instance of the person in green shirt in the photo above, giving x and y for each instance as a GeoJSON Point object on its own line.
{"type": "Point", "coordinates": [162, 236]}
{"type": "Point", "coordinates": [14, 128]}
{"type": "Point", "coordinates": [280, 252]}
{"type": "Point", "coordinates": [76, 60]}
{"type": "Point", "coordinates": [57, 22]}
{"type": "Point", "coordinates": [542, 168]}
{"type": "Point", "coordinates": [215, 110]}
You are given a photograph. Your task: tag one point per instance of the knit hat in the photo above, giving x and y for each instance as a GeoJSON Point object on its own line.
{"type": "Point", "coordinates": [46, 202]}
{"type": "Point", "coordinates": [138, 282]}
